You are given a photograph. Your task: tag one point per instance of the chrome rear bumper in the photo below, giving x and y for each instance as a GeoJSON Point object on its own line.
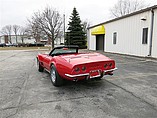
{"type": "Point", "coordinates": [86, 74]}
{"type": "Point", "coordinates": [79, 75]}
{"type": "Point", "coordinates": [110, 70]}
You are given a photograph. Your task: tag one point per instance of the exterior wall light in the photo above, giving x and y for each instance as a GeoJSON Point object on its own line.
{"type": "Point", "coordinates": [143, 18]}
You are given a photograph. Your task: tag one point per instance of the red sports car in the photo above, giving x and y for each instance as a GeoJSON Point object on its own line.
{"type": "Point", "coordinates": [66, 63]}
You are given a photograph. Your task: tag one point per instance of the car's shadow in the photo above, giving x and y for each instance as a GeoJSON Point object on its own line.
{"type": "Point", "coordinates": [91, 89]}
{"type": "Point", "coordinates": [82, 83]}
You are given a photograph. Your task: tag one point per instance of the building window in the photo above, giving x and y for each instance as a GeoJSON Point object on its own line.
{"type": "Point", "coordinates": [114, 37]}
{"type": "Point", "coordinates": [145, 36]}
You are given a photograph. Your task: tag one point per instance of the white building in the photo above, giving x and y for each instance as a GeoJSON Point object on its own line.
{"type": "Point", "coordinates": [132, 34]}
{"type": "Point", "coordinates": [20, 39]}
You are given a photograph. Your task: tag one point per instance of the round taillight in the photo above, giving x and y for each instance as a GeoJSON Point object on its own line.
{"type": "Point", "coordinates": [110, 64]}
{"type": "Point", "coordinates": [83, 68]}
{"type": "Point", "coordinates": [105, 66]}
{"type": "Point", "coordinates": [76, 69]}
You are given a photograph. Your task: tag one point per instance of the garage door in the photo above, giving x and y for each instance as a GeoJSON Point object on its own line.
{"type": "Point", "coordinates": [100, 42]}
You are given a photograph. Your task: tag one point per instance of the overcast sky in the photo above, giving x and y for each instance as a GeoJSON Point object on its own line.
{"type": "Point", "coordinates": [17, 11]}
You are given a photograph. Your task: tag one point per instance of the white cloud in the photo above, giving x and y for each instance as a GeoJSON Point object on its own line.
{"type": "Point", "coordinates": [17, 11]}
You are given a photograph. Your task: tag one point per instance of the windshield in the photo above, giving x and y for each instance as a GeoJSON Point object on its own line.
{"type": "Point", "coordinates": [64, 51]}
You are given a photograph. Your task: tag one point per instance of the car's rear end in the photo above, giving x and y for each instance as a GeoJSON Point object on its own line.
{"type": "Point", "coordinates": [89, 66]}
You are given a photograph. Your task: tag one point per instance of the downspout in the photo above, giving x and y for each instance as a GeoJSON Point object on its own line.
{"type": "Point", "coordinates": [151, 32]}
{"type": "Point", "coordinates": [88, 39]}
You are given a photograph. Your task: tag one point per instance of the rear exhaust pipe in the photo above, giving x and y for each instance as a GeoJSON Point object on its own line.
{"type": "Point", "coordinates": [110, 73]}
{"type": "Point", "coordinates": [75, 79]}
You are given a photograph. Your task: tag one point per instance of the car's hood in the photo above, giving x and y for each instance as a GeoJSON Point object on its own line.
{"type": "Point", "coordinates": [83, 58]}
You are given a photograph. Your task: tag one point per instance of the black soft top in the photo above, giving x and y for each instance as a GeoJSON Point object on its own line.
{"type": "Point", "coordinates": [65, 46]}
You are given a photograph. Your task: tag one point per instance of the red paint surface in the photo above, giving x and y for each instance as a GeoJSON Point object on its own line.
{"type": "Point", "coordinates": [65, 64]}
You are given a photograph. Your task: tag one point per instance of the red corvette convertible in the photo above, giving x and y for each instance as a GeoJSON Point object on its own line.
{"type": "Point", "coordinates": [66, 63]}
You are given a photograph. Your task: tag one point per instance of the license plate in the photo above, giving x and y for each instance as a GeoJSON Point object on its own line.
{"type": "Point", "coordinates": [94, 73]}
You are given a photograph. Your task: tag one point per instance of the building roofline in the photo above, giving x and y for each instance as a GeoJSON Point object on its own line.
{"type": "Point", "coordinates": [11, 35]}
{"type": "Point", "coordinates": [125, 16]}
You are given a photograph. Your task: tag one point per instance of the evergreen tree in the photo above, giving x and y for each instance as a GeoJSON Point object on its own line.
{"type": "Point", "coordinates": [75, 34]}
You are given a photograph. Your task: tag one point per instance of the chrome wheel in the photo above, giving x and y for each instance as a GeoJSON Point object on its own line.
{"type": "Point", "coordinates": [53, 75]}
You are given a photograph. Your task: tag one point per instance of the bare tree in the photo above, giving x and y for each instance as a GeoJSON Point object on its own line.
{"type": "Point", "coordinates": [23, 33]}
{"type": "Point", "coordinates": [7, 30]}
{"type": "Point", "coordinates": [85, 25]}
{"type": "Point", "coordinates": [34, 30]}
{"type": "Point", "coordinates": [48, 22]}
{"type": "Point", "coordinates": [123, 7]}
{"type": "Point", "coordinates": [16, 29]}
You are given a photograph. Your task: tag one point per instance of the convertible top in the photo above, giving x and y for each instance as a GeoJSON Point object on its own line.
{"type": "Point", "coordinates": [65, 46]}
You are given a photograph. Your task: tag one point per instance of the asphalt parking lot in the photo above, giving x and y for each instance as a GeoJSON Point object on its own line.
{"type": "Point", "coordinates": [26, 93]}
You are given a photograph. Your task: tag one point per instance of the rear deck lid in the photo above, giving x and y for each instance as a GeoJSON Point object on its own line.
{"type": "Point", "coordinates": [83, 58]}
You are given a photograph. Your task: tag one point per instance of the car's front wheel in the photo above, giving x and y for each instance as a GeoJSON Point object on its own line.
{"type": "Point", "coordinates": [55, 78]}
{"type": "Point", "coordinates": [40, 68]}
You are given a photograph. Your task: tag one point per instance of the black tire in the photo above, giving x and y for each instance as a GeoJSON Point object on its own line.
{"type": "Point", "coordinates": [55, 77]}
{"type": "Point", "coordinates": [40, 68]}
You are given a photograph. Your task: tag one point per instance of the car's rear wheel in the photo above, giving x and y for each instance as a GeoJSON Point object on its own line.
{"type": "Point", "coordinates": [55, 78]}
{"type": "Point", "coordinates": [40, 68]}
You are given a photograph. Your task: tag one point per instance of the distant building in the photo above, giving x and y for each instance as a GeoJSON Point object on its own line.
{"type": "Point", "coordinates": [132, 34]}
{"type": "Point", "coordinates": [59, 41]}
{"type": "Point", "coordinates": [28, 39]}
{"type": "Point", "coordinates": [20, 39]}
